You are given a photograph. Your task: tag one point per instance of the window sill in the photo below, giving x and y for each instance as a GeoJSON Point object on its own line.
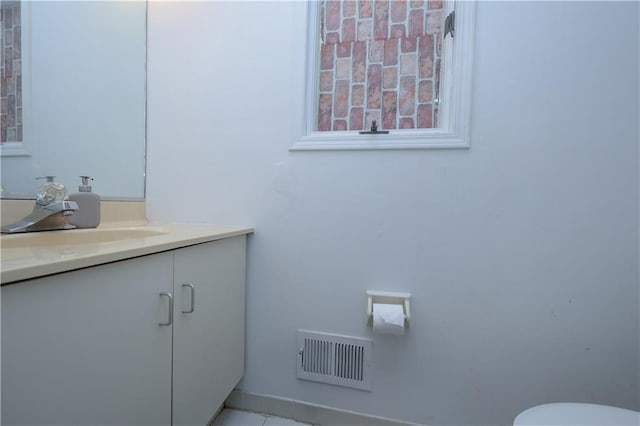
{"type": "Point", "coordinates": [398, 139]}
{"type": "Point", "coordinates": [14, 149]}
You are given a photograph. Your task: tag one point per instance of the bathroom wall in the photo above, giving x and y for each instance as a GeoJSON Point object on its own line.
{"type": "Point", "coordinates": [521, 253]}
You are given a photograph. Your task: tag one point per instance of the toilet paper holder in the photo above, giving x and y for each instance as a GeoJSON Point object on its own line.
{"type": "Point", "coordinates": [389, 297]}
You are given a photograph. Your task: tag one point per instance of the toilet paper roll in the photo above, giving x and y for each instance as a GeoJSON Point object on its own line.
{"type": "Point", "coordinates": [388, 318]}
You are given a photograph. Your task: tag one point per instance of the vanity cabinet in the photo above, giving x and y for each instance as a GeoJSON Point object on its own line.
{"type": "Point", "coordinates": [87, 347]}
{"type": "Point", "coordinates": [208, 343]}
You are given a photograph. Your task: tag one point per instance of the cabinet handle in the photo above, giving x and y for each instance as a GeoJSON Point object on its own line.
{"type": "Point", "coordinates": [193, 298]}
{"type": "Point", "coordinates": [170, 297]}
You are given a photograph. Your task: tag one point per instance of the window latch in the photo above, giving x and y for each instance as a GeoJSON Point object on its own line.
{"type": "Point", "coordinates": [450, 25]}
{"type": "Point", "coordinates": [374, 130]}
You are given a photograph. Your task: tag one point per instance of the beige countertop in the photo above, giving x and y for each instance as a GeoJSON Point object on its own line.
{"type": "Point", "coordinates": [36, 254]}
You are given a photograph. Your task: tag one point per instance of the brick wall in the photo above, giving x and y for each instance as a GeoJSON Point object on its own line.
{"type": "Point", "coordinates": [10, 73]}
{"type": "Point", "coordinates": [379, 60]}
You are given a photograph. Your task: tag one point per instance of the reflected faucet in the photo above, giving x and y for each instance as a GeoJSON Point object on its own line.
{"type": "Point", "coordinates": [50, 212]}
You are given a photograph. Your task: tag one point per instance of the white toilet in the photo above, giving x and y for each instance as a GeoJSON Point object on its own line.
{"type": "Point", "coordinates": [577, 414]}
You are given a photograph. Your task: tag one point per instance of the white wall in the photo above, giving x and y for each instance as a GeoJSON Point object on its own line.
{"type": "Point", "coordinates": [521, 253]}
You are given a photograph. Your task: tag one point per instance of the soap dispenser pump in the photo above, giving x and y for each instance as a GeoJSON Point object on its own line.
{"type": "Point", "coordinates": [88, 214]}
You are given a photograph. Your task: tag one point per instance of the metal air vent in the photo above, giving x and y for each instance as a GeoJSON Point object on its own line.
{"type": "Point", "coordinates": [334, 359]}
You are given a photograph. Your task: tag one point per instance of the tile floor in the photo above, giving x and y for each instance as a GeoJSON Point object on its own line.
{"type": "Point", "coordinates": [232, 417]}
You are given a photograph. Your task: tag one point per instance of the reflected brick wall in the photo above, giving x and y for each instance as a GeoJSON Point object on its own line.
{"type": "Point", "coordinates": [10, 73]}
{"type": "Point", "coordinates": [379, 60]}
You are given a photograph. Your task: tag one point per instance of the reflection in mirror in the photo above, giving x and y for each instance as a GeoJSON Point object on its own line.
{"type": "Point", "coordinates": [73, 96]}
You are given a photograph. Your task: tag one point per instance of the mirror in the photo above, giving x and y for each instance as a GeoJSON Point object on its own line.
{"type": "Point", "coordinates": [74, 96]}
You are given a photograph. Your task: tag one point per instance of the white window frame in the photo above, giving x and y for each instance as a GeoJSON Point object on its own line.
{"type": "Point", "coordinates": [23, 148]}
{"type": "Point", "coordinates": [455, 93]}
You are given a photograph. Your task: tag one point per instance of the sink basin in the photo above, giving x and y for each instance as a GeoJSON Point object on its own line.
{"type": "Point", "coordinates": [75, 237]}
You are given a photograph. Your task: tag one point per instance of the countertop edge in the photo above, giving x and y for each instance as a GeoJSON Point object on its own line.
{"type": "Point", "coordinates": [18, 275]}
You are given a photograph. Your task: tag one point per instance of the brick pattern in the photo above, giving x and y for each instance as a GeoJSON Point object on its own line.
{"type": "Point", "coordinates": [10, 72]}
{"type": "Point", "coordinates": [379, 60]}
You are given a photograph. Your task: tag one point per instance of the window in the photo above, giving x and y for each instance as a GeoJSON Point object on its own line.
{"type": "Point", "coordinates": [14, 81]}
{"type": "Point", "coordinates": [387, 61]}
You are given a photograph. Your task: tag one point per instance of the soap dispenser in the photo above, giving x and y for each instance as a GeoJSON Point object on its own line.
{"type": "Point", "coordinates": [88, 214]}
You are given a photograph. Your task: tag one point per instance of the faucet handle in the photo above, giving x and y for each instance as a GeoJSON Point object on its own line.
{"type": "Point", "coordinates": [51, 192]}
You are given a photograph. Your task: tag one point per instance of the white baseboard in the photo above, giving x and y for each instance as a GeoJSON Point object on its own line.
{"type": "Point", "coordinates": [304, 411]}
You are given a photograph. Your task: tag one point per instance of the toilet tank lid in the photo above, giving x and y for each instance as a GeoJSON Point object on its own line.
{"type": "Point", "coordinates": [577, 414]}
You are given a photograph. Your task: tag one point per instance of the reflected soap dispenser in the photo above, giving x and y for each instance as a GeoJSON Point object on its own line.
{"type": "Point", "coordinates": [88, 214]}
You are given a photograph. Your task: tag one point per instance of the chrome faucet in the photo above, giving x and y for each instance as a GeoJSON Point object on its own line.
{"type": "Point", "coordinates": [44, 218]}
{"type": "Point", "coordinates": [50, 212]}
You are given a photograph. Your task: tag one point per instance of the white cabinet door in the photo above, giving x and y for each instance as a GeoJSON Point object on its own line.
{"type": "Point", "coordinates": [85, 347]}
{"type": "Point", "coordinates": [208, 349]}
